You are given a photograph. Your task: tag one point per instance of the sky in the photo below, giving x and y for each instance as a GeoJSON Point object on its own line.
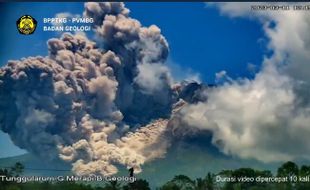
{"type": "Point", "coordinates": [202, 41]}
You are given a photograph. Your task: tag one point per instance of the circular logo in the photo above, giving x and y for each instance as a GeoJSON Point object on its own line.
{"type": "Point", "coordinates": [26, 25]}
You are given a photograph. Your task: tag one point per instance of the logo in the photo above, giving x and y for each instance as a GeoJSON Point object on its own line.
{"type": "Point", "coordinates": [26, 25]}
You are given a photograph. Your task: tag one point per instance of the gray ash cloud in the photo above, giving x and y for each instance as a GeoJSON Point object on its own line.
{"type": "Point", "coordinates": [113, 102]}
{"type": "Point", "coordinates": [76, 103]}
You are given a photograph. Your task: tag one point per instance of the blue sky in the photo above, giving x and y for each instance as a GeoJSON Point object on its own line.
{"type": "Point", "coordinates": [200, 39]}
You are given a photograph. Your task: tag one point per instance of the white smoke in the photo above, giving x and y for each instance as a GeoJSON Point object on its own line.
{"type": "Point", "coordinates": [266, 118]}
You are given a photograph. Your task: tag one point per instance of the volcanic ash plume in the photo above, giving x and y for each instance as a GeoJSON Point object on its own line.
{"type": "Point", "coordinates": [144, 81]}
{"type": "Point", "coordinates": [112, 103]}
{"type": "Point", "coordinates": [75, 104]}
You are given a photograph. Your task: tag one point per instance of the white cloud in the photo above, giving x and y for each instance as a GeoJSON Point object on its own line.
{"type": "Point", "coordinates": [152, 77]}
{"type": "Point", "coordinates": [254, 118]}
{"type": "Point", "coordinates": [65, 15]}
{"type": "Point", "coordinates": [180, 73]}
{"type": "Point", "coordinates": [267, 118]}
{"type": "Point", "coordinates": [68, 16]}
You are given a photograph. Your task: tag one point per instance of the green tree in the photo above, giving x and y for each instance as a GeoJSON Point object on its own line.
{"type": "Point", "coordinates": [17, 169]}
{"type": "Point", "coordinates": [180, 182]}
{"type": "Point", "coordinates": [205, 184]}
{"type": "Point", "coordinates": [200, 184]}
{"type": "Point", "coordinates": [304, 172]}
{"type": "Point", "coordinates": [170, 186]}
{"type": "Point", "coordinates": [140, 184]}
{"type": "Point", "coordinates": [288, 169]}
{"type": "Point", "coordinates": [112, 185]}
{"type": "Point", "coordinates": [248, 173]}
{"type": "Point", "coordinates": [227, 173]}
{"type": "Point", "coordinates": [4, 172]}
{"type": "Point", "coordinates": [209, 180]}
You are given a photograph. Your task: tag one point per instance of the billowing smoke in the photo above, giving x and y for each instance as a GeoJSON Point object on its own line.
{"type": "Point", "coordinates": [267, 118]}
{"type": "Point", "coordinates": [76, 103]}
{"type": "Point", "coordinates": [99, 105]}
{"type": "Point", "coordinates": [144, 81]}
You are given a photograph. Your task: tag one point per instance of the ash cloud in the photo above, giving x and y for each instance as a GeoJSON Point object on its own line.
{"type": "Point", "coordinates": [144, 79]}
{"type": "Point", "coordinates": [76, 103]}
{"type": "Point", "coordinates": [112, 102]}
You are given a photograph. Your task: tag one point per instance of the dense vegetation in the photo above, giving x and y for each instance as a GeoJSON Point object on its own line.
{"type": "Point", "coordinates": [298, 179]}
